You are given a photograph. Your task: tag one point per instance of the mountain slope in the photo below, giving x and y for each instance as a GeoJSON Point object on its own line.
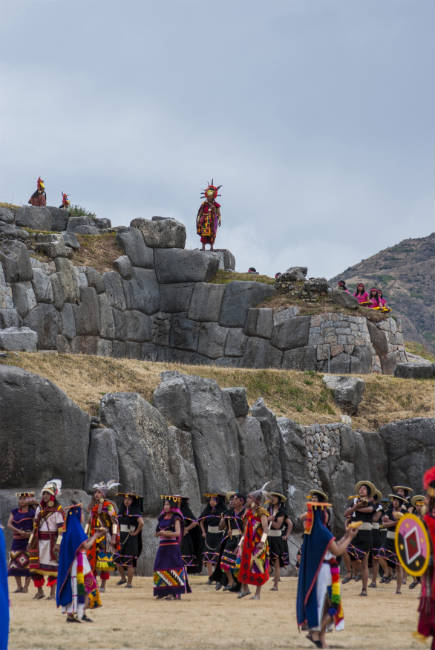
{"type": "Point", "coordinates": [406, 273]}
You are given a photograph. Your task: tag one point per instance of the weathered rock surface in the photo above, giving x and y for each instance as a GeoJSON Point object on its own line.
{"type": "Point", "coordinates": [161, 233]}
{"type": "Point", "coordinates": [15, 260]}
{"type": "Point", "coordinates": [36, 218]}
{"type": "Point", "coordinates": [18, 338]}
{"type": "Point", "coordinates": [102, 458]}
{"type": "Point", "coordinates": [348, 391]}
{"type": "Point", "coordinates": [238, 297]}
{"type": "Point", "coordinates": [343, 299]}
{"type": "Point", "coordinates": [180, 265]}
{"type": "Point", "coordinates": [133, 244]}
{"type": "Point", "coordinates": [420, 370]}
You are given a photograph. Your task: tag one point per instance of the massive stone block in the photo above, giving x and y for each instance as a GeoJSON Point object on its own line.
{"type": "Point", "coordinates": [161, 233]}
{"type": "Point", "coordinates": [133, 245]}
{"type": "Point", "coordinates": [239, 400]}
{"type": "Point", "coordinates": [183, 478]}
{"type": "Point", "coordinates": [65, 272]}
{"type": "Point", "coordinates": [142, 443]}
{"type": "Point", "coordinates": [59, 218]}
{"type": "Point", "coordinates": [24, 297]}
{"type": "Point", "coordinates": [253, 455]}
{"type": "Point", "coordinates": [45, 320]}
{"type": "Point", "coordinates": [37, 218]}
{"type": "Point", "coordinates": [272, 440]}
{"type": "Point", "coordinates": [142, 291]}
{"type": "Point", "coordinates": [172, 399]}
{"type": "Point", "coordinates": [82, 225]}
{"type": "Point", "coordinates": [102, 458]}
{"type": "Point", "coordinates": [37, 442]}
{"type": "Point", "coordinates": [42, 286]}
{"type": "Point", "coordinates": [184, 333]}
{"type": "Point", "coordinates": [212, 339]}
{"type": "Point", "coordinates": [87, 314]}
{"type": "Point", "coordinates": [300, 358]}
{"type": "Point", "coordinates": [178, 265]}
{"type": "Point", "coordinates": [138, 327]}
{"type": "Point", "coordinates": [18, 338]}
{"type": "Point", "coordinates": [259, 322]}
{"type": "Point", "coordinates": [206, 301]}
{"type": "Point", "coordinates": [15, 260]}
{"type": "Point", "coordinates": [175, 297]}
{"type": "Point", "coordinates": [260, 353]}
{"type": "Point", "coordinates": [238, 297]}
{"type": "Point", "coordinates": [114, 289]}
{"type": "Point", "coordinates": [291, 333]}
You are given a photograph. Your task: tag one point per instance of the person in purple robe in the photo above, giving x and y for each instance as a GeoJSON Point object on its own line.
{"type": "Point", "coordinates": [20, 522]}
{"type": "Point", "coordinates": [170, 574]}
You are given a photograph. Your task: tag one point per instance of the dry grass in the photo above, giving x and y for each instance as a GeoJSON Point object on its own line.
{"type": "Point", "coordinates": [224, 277]}
{"type": "Point", "coordinates": [419, 349]}
{"type": "Point", "coordinates": [11, 206]}
{"type": "Point", "coordinates": [98, 251]}
{"type": "Point", "coordinates": [300, 396]}
{"type": "Point", "coordinates": [207, 619]}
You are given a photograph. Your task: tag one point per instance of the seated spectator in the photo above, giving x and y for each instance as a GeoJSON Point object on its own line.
{"type": "Point", "coordinates": [361, 294]}
{"type": "Point", "coordinates": [373, 298]}
{"type": "Point", "coordinates": [342, 285]}
{"type": "Point", "coordinates": [382, 302]}
{"type": "Point", "coordinates": [278, 275]}
{"type": "Point", "coordinates": [252, 269]}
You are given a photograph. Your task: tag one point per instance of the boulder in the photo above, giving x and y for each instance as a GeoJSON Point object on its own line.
{"type": "Point", "coordinates": [142, 442]}
{"type": "Point", "coordinates": [161, 233]}
{"type": "Point", "coordinates": [24, 297]}
{"type": "Point", "coordinates": [37, 442]}
{"type": "Point", "coordinates": [183, 478]}
{"type": "Point", "coordinates": [211, 342]}
{"type": "Point", "coordinates": [36, 218]}
{"type": "Point", "coordinates": [259, 322]}
{"type": "Point", "coordinates": [259, 353]}
{"type": "Point", "coordinates": [132, 243]}
{"type": "Point", "coordinates": [103, 223]}
{"type": "Point", "coordinates": [15, 259]}
{"type": "Point", "coordinates": [94, 279]}
{"type": "Point", "coordinates": [184, 333]}
{"type": "Point", "coordinates": [238, 298]}
{"type": "Point", "coordinates": [175, 297]}
{"type": "Point", "coordinates": [114, 289]}
{"type": "Point", "coordinates": [10, 318]}
{"type": "Point", "coordinates": [235, 344]}
{"type": "Point", "coordinates": [227, 261]}
{"type": "Point", "coordinates": [82, 225]}
{"type": "Point", "coordinates": [296, 273]}
{"type": "Point", "coordinates": [102, 457]}
{"type": "Point", "coordinates": [52, 245]}
{"type": "Point", "coordinates": [87, 314]}
{"type": "Point", "coordinates": [206, 301]}
{"type": "Point", "coordinates": [410, 449]}
{"type": "Point", "coordinates": [18, 338]}
{"type": "Point", "coordinates": [295, 475]}
{"type": "Point", "coordinates": [343, 299]}
{"type": "Point", "coordinates": [361, 359]}
{"type": "Point", "coordinates": [42, 286]}
{"type": "Point", "coordinates": [253, 455]}
{"type": "Point", "coordinates": [172, 399]}
{"type": "Point", "coordinates": [123, 265]}
{"type": "Point", "coordinates": [408, 370]}
{"type": "Point", "coordinates": [67, 280]}
{"type": "Point", "coordinates": [348, 392]}
{"type": "Point", "coordinates": [59, 218]}
{"type": "Point", "coordinates": [10, 231]}
{"type": "Point", "coordinates": [142, 291]}
{"type": "Point", "coordinates": [137, 327]}
{"type": "Point", "coordinates": [378, 339]}
{"type": "Point", "coordinates": [178, 265]}
{"type": "Point", "coordinates": [71, 240]}
{"type": "Point", "coordinates": [239, 400]}
{"type": "Point", "coordinates": [6, 215]}
{"type": "Point", "coordinates": [272, 440]}
{"type": "Point", "coordinates": [291, 333]}
{"type": "Point", "coordinates": [45, 320]}
{"type": "Point", "coordinates": [304, 358]}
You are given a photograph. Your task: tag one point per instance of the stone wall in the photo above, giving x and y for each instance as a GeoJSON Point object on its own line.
{"type": "Point", "coordinates": [159, 304]}
{"type": "Point", "coordinates": [193, 437]}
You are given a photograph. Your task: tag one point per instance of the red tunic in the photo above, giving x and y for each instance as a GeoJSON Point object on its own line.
{"type": "Point", "coordinates": [207, 221]}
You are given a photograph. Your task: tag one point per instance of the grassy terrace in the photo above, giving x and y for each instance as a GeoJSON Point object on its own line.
{"type": "Point", "coordinates": [297, 395]}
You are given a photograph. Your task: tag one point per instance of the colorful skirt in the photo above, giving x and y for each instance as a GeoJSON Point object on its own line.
{"type": "Point", "coordinates": [388, 552]}
{"type": "Point", "coordinates": [170, 575]}
{"type": "Point", "coordinates": [229, 554]}
{"type": "Point", "coordinates": [19, 558]}
{"type": "Point", "coordinates": [253, 565]}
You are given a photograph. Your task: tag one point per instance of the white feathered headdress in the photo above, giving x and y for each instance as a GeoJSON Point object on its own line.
{"type": "Point", "coordinates": [261, 494]}
{"type": "Point", "coordinates": [53, 487]}
{"type": "Point", "coordinates": [105, 487]}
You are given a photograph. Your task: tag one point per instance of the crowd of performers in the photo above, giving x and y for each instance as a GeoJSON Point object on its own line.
{"type": "Point", "coordinates": [240, 540]}
{"type": "Point", "coordinates": [39, 196]}
{"type": "Point", "coordinates": [372, 299]}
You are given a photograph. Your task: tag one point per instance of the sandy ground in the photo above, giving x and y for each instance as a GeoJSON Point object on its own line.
{"type": "Point", "coordinates": [209, 619]}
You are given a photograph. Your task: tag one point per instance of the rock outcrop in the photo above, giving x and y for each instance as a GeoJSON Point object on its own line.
{"type": "Point", "coordinates": [194, 437]}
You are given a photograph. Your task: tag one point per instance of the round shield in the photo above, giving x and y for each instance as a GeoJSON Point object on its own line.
{"type": "Point", "coordinates": [412, 544]}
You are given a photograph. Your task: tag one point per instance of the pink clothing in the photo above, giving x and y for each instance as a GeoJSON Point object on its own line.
{"type": "Point", "coordinates": [362, 297]}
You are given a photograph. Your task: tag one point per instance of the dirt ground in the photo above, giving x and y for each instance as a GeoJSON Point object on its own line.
{"type": "Point", "coordinates": [208, 619]}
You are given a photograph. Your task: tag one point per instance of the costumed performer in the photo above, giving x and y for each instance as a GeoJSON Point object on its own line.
{"type": "Point", "coordinates": [20, 522]}
{"type": "Point", "coordinates": [426, 609]}
{"type": "Point", "coordinates": [65, 202]}
{"type": "Point", "coordinates": [397, 508]}
{"type": "Point", "coordinates": [191, 544]}
{"type": "Point", "coordinates": [418, 509]}
{"type": "Point", "coordinates": [102, 514]}
{"type": "Point", "coordinates": [130, 524]}
{"type": "Point", "coordinates": [44, 543]}
{"type": "Point", "coordinates": [362, 510]}
{"type": "Point", "coordinates": [4, 594]}
{"type": "Point", "coordinates": [405, 492]}
{"type": "Point", "coordinates": [170, 575]}
{"type": "Point", "coordinates": [318, 602]}
{"type": "Point", "coordinates": [209, 216]}
{"type": "Point", "coordinates": [253, 551]}
{"type": "Point", "coordinates": [76, 585]}
{"type": "Point", "coordinates": [39, 197]}
{"type": "Point", "coordinates": [233, 519]}
{"type": "Point", "coordinates": [209, 521]}
{"type": "Point", "coordinates": [278, 548]}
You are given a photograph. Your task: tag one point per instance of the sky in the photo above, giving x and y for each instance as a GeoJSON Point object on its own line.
{"type": "Point", "coordinates": [316, 116]}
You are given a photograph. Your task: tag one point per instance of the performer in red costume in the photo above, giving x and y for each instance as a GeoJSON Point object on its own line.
{"type": "Point", "coordinates": [426, 619]}
{"type": "Point", "coordinates": [39, 198]}
{"type": "Point", "coordinates": [65, 201]}
{"type": "Point", "coordinates": [209, 216]}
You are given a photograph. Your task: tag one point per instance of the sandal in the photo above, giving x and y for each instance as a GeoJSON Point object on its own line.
{"type": "Point", "coordinates": [242, 594]}
{"type": "Point", "coordinates": [346, 580]}
{"type": "Point", "coordinates": [121, 582]}
{"type": "Point", "coordinates": [363, 592]}
{"type": "Point", "coordinates": [86, 619]}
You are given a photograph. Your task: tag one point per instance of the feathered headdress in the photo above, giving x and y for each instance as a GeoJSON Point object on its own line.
{"type": "Point", "coordinates": [429, 481]}
{"type": "Point", "coordinates": [40, 183]}
{"type": "Point", "coordinates": [261, 494]}
{"type": "Point", "coordinates": [211, 191]}
{"type": "Point", "coordinates": [65, 200]}
{"type": "Point", "coordinates": [53, 487]}
{"type": "Point", "coordinates": [105, 487]}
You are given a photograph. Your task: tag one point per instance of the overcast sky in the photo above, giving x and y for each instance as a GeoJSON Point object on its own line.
{"type": "Point", "coordinates": [316, 116]}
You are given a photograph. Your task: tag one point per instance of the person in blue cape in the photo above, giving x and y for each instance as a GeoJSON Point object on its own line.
{"type": "Point", "coordinates": [318, 602]}
{"type": "Point", "coordinates": [76, 585]}
{"type": "Point", "coordinates": [4, 594]}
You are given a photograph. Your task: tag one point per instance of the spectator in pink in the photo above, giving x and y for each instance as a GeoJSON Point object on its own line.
{"type": "Point", "coordinates": [342, 285]}
{"type": "Point", "coordinates": [361, 294]}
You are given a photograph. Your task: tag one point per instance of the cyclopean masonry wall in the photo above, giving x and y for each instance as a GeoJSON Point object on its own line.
{"type": "Point", "coordinates": [159, 304]}
{"type": "Point", "coordinates": [192, 438]}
